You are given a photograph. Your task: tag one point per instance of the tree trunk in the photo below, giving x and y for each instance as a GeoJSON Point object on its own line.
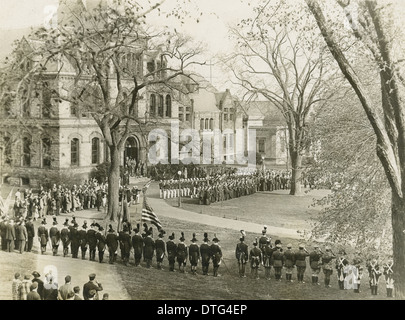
{"type": "Point", "coordinates": [296, 177]}
{"type": "Point", "coordinates": [398, 228]}
{"type": "Point", "coordinates": [114, 183]}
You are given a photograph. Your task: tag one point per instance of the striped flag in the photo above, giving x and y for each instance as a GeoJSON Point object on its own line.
{"type": "Point", "coordinates": [147, 211]}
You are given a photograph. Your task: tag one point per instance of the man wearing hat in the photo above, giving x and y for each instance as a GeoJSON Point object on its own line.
{"type": "Point", "coordinates": [125, 244]}
{"type": "Point", "coordinates": [75, 240]}
{"type": "Point", "coordinates": [83, 239]}
{"type": "Point", "coordinates": [102, 242]}
{"type": "Point", "coordinates": [327, 265]}
{"type": "Point", "coordinates": [65, 237]}
{"type": "Point", "coordinates": [242, 254]}
{"type": "Point", "coordinates": [182, 254]}
{"type": "Point", "coordinates": [93, 284]}
{"type": "Point", "coordinates": [43, 236]}
{"type": "Point", "coordinates": [289, 262]}
{"type": "Point", "coordinates": [30, 233]}
{"type": "Point", "coordinates": [278, 261]}
{"type": "Point", "coordinates": [54, 234]}
{"type": "Point", "coordinates": [267, 255]}
{"type": "Point", "coordinates": [216, 255]}
{"type": "Point", "coordinates": [374, 275]}
{"type": "Point", "coordinates": [315, 262]}
{"type": "Point", "coordinates": [171, 248]}
{"type": "Point", "coordinates": [39, 284]}
{"type": "Point", "coordinates": [194, 254]}
{"type": "Point", "coordinates": [92, 241]}
{"type": "Point", "coordinates": [255, 258]}
{"type": "Point", "coordinates": [160, 249]}
{"type": "Point", "coordinates": [301, 263]}
{"type": "Point", "coordinates": [263, 239]}
{"type": "Point", "coordinates": [205, 252]}
{"type": "Point", "coordinates": [137, 244]}
{"type": "Point", "coordinates": [112, 244]}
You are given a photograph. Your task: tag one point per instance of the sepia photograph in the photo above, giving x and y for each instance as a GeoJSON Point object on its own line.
{"type": "Point", "coordinates": [217, 152]}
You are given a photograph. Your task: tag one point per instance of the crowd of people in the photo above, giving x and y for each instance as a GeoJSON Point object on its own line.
{"type": "Point", "coordinates": [221, 186]}
{"type": "Point", "coordinates": [32, 287]}
{"type": "Point", "coordinates": [278, 261]}
{"type": "Point", "coordinates": [60, 199]}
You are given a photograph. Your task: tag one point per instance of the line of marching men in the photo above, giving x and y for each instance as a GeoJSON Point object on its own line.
{"type": "Point", "coordinates": [94, 237]}
{"type": "Point", "coordinates": [349, 274]}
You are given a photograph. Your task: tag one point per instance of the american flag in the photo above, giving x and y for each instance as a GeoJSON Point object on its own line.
{"type": "Point", "coordinates": [147, 211]}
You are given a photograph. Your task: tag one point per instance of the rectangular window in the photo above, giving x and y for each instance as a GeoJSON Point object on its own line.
{"type": "Point", "coordinates": [188, 117]}
{"type": "Point", "coordinates": [262, 146]}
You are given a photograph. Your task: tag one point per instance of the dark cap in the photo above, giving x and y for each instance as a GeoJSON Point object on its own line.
{"type": "Point", "coordinates": [36, 274]}
{"type": "Point", "coordinates": [92, 276]}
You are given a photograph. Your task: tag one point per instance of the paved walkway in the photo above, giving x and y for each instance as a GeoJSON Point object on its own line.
{"type": "Point", "coordinates": [161, 208]}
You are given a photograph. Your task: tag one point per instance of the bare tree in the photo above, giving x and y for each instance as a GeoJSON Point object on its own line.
{"type": "Point", "coordinates": [283, 64]}
{"type": "Point", "coordinates": [374, 30]}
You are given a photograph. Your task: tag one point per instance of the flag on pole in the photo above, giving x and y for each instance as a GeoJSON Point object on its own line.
{"type": "Point", "coordinates": [147, 212]}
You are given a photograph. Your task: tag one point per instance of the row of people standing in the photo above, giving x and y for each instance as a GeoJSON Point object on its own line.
{"type": "Point", "coordinates": [224, 187]}
{"type": "Point", "coordinates": [349, 274]}
{"type": "Point", "coordinates": [60, 199]}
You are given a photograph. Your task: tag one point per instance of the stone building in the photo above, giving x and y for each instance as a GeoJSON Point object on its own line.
{"type": "Point", "coordinates": [41, 136]}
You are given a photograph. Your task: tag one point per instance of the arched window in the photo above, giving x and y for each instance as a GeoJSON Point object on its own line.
{"type": "Point", "coordinates": [202, 122]}
{"type": "Point", "coordinates": [168, 106]}
{"type": "Point", "coordinates": [160, 106]}
{"type": "Point", "coordinates": [211, 124]}
{"type": "Point", "coordinates": [152, 112]}
{"type": "Point", "coordinates": [95, 151]}
{"type": "Point", "coordinates": [74, 152]}
{"type": "Point", "coordinates": [46, 153]}
{"type": "Point", "coordinates": [26, 152]}
{"type": "Point", "coordinates": [207, 124]}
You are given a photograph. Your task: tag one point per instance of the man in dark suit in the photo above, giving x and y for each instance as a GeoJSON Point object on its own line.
{"type": "Point", "coordinates": [22, 236]}
{"type": "Point", "coordinates": [171, 248]}
{"type": "Point", "coordinates": [33, 294]}
{"type": "Point", "coordinates": [93, 284]}
{"type": "Point", "coordinates": [112, 244]}
{"type": "Point", "coordinates": [216, 255]}
{"type": "Point", "coordinates": [10, 236]}
{"type": "Point", "coordinates": [149, 248]}
{"type": "Point", "coordinates": [125, 244]}
{"type": "Point", "coordinates": [242, 255]}
{"type": "Point", "coordinates": [160, 249]}
{"type": "Point", "coordinates": [182, 254]}
{"type": "Point", "coordinates": [75, 240]}
{"type": "Point", "coordinates": [255, 257]}
{"type": "Point", "coordinates": [101, 243]}
{"type": "Point", "coordinates": [30, 233]}
{"type": "Point", "coordinates": [54, 234]}
{"type": "Point", "coordinates": [92, 241]}
{"type": "Point", "coordinates": [137, 244]}
{"type": "Point", "coordinates": [40, 284]}
{"type": "Point", "coordinates": [194, 254]}
{"type": "Point", "coordinates": [205, 252]}
{"type": "Point", "coordinates": [43, 236]}
{"type": "Point", "coordinates": [83, 240]}
{"type": "Point", "coordinates": [65, 237]}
